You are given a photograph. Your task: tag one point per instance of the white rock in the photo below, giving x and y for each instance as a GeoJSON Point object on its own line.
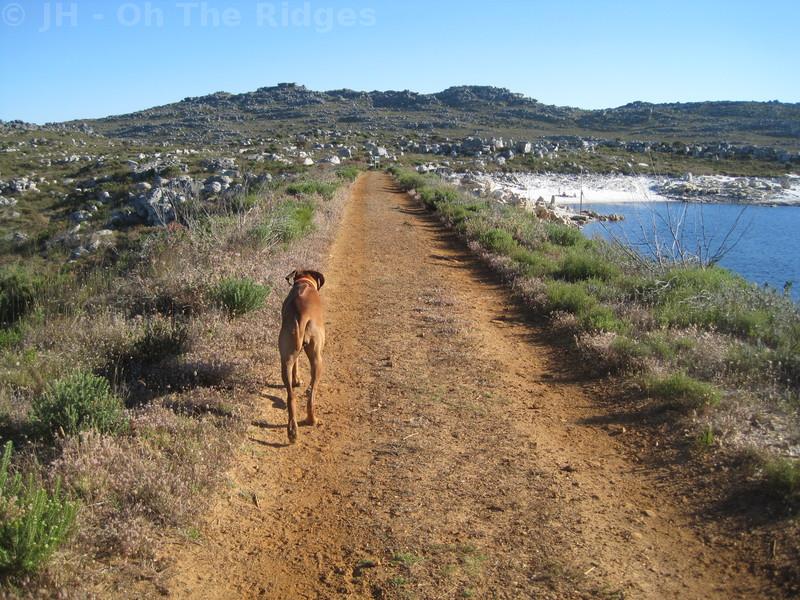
{"type": "Point", "coordinates": [79, 216]}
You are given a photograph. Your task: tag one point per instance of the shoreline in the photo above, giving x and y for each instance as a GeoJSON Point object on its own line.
{"type": "Point", "coordinates": [528, 188]}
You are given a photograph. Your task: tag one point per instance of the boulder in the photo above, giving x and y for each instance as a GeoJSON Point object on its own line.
{"type": "Point", "coordinates": [212, 187]}
{"type": "Point", "coordinates": [124, 217]}
{"type": "Point", "coordinates": [22, 184]}
{"type": "Point", "coordinates": [78, 252]}
{"type": "Point", "coordinates": [219, 164]}
{"type": "Point", "coordinates": [79, 216]}
{"type": "Point", "coordinates": [157, 207]}
{"type": "Point", "coordinates": [100, 238]}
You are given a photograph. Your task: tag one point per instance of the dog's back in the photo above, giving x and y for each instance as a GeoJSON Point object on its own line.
{"type": "Point", "coordinates": [301, 315]}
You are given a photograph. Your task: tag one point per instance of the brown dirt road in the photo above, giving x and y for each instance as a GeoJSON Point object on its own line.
{"type": "Point", "coordinates": [454, 458]}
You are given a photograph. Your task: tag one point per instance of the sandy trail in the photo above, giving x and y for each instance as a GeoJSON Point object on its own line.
{"type": "Point", "coordinates": [454, 458]}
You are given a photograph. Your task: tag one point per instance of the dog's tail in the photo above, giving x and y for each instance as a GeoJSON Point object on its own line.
{"type": "Point", "coordinates": [301, 340]}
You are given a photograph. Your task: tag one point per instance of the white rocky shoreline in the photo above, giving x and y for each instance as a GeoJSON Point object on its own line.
{"type": "Point", "coordinates": [553, 195]}
{"type": "Point", "coordinates": [570, 189]}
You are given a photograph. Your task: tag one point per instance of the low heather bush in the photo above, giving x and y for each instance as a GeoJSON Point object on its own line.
{"type": "Point", "coordinates": [160, 339]}
{"type": "Point", "coordinates": [158, 476]}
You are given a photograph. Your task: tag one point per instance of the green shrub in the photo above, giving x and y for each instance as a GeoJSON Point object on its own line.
{"type": "Point", "coordinates": [787, 358]}
{"type": "Point", "coordinates": [627, 352]}
{"type": "Point", "coordinates": [682, 391]}
{"type": "Point", "coordinates": [409, 180]}
{"type": "Point", "coordinates": [436, 198]}
{"type": "Point", "coordinates": [782, 477]}
{"type": "Point", "coordinates": [698, 279]}
{"type": "Point", "coordinates": [713, 297]}
{"type": "Point", "coordinates": [239, 296]}
{"type": "Point", "coordinates": [569, 297]}
{"type": "Point", "coordinates": [348, 173]}
{"type": "Point", "coordinates": [306, 188]}
{"type": "Point", "coordinates": [18, 291]}
{"type": "Point", "coordinates": [534, 264]}
{"type": "Point", "coordinates": [601, 318]}
{"type": "Point", "coordinates": [287, 222]}
{"type": "Point", "coordinates": [295, 220]}
{"type": "Point", "coordinates": [497, 241]}
{"type": "Point", "coordinates": [564, 235]}
{"type": "Point", "coordinates": [244, 202]}
{"type": "Point", "coordinates": [33, 522]}
{"type": "Point", "coordinates": [171, 171]}
{"type": "Point", "coordinates": [10, 337]}
{"type": "Point", "coordinates": [660, 345]}
{"type": "Point", "coordinates": [76, 403]}
{"type": "Point", "coordinates": [456, 214]}
{"type": "Point", "coordinates": [265, 232]}
{"type": "Point", "coordinates": [583, 264]}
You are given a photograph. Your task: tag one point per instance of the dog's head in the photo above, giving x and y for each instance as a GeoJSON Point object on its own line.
{"type": "Point", "coordinates": [292, 277]}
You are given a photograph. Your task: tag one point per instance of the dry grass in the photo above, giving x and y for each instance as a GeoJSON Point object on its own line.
{"type": "Point", "coordinates": [189, 373]}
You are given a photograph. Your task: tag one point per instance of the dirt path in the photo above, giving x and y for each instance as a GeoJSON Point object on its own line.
{"type": "Point", "coordinates": [453, 459]}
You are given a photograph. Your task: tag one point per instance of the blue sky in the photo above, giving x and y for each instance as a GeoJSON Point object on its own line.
{"type": "Point", "coordinates": [92, 58]}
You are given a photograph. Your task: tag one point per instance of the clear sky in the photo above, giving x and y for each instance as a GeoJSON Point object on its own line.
{"type": "Point", "coordinates": [92, 58]}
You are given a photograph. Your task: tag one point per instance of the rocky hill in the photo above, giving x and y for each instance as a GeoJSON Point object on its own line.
{"type": "Point", "coordinates": [288, 108]}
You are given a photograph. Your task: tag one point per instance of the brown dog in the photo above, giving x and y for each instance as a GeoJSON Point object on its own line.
{"type": "Point", "coordinates": [302, 328]}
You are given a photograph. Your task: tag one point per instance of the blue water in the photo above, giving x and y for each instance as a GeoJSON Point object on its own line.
{"type": "Point", "coordinates": [764, 246]}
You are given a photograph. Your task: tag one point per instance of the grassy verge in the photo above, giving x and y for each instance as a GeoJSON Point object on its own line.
{"type": "Point", "coordinates": [125, 387]}
{"type": "Point", "coordinates": [698, 339]}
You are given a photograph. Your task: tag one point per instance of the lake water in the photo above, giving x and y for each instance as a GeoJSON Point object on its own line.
{"type": "Point", "coordinates": [764, 244]}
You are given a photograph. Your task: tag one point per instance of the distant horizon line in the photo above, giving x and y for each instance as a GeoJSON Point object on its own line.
{"type": "Point", "coordinates": [287, 84]}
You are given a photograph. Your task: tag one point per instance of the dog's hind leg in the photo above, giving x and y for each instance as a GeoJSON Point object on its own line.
{"type": "Point", "coordinates": [314, 353]}
{"type": "Point", "coordinates": [296, 381]}
{"type": "Point", "coordinates": [287, 366]}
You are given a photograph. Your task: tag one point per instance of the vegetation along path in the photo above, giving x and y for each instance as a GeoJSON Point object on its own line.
{"type": "Point", "coordinates": [454, 458]}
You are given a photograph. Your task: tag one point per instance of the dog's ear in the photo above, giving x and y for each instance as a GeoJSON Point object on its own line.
{"type": "Point", "coordinates": [290, 277]}
{"type": "Point", "coordinates": [319, 277]}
